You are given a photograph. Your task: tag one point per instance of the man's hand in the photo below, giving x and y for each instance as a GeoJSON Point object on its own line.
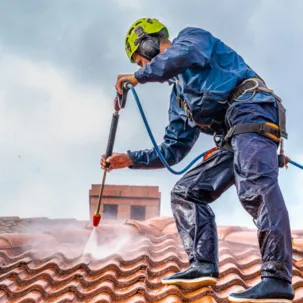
{"type": "Point", "coordinates": [123, 78]}
{"type": "Point", "coordinates": [116, 160]}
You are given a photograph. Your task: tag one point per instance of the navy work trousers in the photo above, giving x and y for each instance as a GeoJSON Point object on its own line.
{"type": "Point", "coordinates": [253, 168]}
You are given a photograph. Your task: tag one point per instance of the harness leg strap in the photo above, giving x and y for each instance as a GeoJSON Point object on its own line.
{"type": "Point", "coordinates": [268, 130]}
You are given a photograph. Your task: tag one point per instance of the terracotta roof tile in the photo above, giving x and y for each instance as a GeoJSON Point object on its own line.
{"type": "Point", "coordinates": [160, 222]}
{"type": "Point", "coordinates": [223, 231]}
{"type": "Point", "coordinates": [242, 237]}
{"type": "Point", "coordinates": [4, 243]}
{"type": "Point", "coordinates": [298, 295]}
{"type": "Point", "coordinates": [144, 227]}
{"type": "Point", "coordinates": [48, 265]}
{"type": "Point", "coordinates": [298, 244]}
{"type": "Point", "coordinates": [170, 229]}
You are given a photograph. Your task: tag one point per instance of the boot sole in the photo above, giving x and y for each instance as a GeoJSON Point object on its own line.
{"type": "Point", "coordinates": [231, 299]}
{"type": "Point", "coordinates": [199, 282]}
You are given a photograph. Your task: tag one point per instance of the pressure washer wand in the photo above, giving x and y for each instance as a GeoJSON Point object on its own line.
{"type": "Point", "coordinates": [120, 102]}
{"type": "Point", "coordinates": [109, 150]}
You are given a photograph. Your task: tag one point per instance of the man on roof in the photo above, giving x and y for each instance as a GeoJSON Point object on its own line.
{"type": "Point", "coordinates": [216, 93]}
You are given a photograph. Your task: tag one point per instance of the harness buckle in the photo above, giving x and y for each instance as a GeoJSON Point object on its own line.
{"type": "Point", "coordinates": [218, 139]}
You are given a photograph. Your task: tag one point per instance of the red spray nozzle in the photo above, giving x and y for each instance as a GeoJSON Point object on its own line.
{"type": "Point", "coordinates": [96, 219]}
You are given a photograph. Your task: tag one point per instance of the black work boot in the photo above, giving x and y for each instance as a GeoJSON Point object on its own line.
{"type": "Point", "coordinates": [269, 290]}
{"type": "Point", "coordinates": [198, 274]}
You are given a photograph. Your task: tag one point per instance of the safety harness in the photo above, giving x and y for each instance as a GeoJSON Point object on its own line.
{"type": "Point", "coordinates": [270, 130]}
{"type": "Point", "coordinates": [222, 134]}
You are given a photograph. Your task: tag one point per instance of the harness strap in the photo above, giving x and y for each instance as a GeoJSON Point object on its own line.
{"type": "Point", "coordinates": [268, 130]}
{"type": "Point", "coordinates": [282, 118]}
{"type": "Point", "coordinates": [251, 85]}
{"type": "Point", "coordinates": [254, 85]}
{"type": "Point", "coordinates": [182, 104]}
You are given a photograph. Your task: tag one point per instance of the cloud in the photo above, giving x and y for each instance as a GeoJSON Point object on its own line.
{"type": "Point", "coordinates": [53, 133]}
{"type": "Point", "coordinates": [41, 104]}
{"type": "Point", "coordinates": [129, 4]}
{"type": "Point", "coordinates": [44, 117]}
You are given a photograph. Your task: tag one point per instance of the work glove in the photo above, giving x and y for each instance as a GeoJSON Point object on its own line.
{"type": "Point", "coordinates": [125, 78]}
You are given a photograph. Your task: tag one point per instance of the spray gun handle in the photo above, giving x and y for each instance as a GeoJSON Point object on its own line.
{"type": "Point", "coordinates": [122, 98]}
{"type": "Point", "coordinates": [112, 135]}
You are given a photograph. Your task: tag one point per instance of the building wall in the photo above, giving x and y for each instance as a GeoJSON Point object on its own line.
{"type": "Point", "coordinates": [125, 197]}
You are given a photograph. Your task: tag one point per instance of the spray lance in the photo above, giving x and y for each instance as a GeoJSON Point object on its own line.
{"type": "Point", "coordinates": [120, 102]}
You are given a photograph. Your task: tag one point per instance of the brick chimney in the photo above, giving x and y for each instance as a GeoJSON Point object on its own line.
{"type": "Point", "coordinates": [122, 202]}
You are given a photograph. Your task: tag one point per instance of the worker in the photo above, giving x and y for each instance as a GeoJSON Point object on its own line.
{"type": "Point", "coordinates": [216, 93]}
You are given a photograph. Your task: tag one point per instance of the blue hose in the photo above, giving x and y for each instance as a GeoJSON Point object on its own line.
{"type": "Point", "coordinates": [296, 164]}
{"type": "Point", "coordinates": [154, 141]}
{"type": "Point", "coordinates": [157, 148]}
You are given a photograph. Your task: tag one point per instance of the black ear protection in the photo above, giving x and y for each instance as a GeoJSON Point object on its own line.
{"type": "Point", "coordinates": [149, 45]}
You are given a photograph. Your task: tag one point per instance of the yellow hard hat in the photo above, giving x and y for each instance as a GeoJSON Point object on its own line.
{"type": "Point", "coordinates": [149, 26]}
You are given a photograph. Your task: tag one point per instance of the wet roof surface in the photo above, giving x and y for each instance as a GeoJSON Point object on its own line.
{"type": "Point", "coordinates": [43, 260]}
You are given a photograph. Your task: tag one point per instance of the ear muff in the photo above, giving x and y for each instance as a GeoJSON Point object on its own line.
{"type": "Point", "coordinates": [149, 47]}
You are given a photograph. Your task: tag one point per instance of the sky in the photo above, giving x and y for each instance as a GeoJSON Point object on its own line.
{"type": "Point", "coordinates": [58, 64]}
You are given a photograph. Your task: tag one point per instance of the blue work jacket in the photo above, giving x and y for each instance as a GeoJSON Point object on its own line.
{"type": "Point", "coordinates": [205, 71]}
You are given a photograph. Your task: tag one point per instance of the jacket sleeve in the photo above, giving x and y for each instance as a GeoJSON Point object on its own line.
{"type": "Point", "coordinates": [192, 47]}
{"type": "Point", "coordinates": [176, 144]}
